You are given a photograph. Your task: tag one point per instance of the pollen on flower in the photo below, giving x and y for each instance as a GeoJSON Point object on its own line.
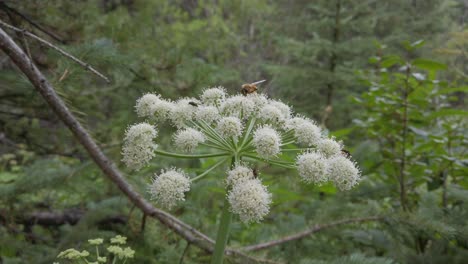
{"type": "Point", "coordinates": [238, 106]}
{"type": "Point", "coordinates": [343, 172]}
{"type": "Point", "coordinates": [169, 188]}
{"type": "Point", "coordinates": [138, 148]}
{"type": "Point", "coordinates": [239, 174]}
{"type": "Point", "coordinates": [188, 139]}
{"type": "Point", "coordinates": [230, 127]}
{"type": "Point", "coordinates": [144, 105]}
{"type": "Point", "coordinates": [312, 167]}
{"type": "Point", "coordinates": [329, 147]}
{"type": "Point", "coordinates": [208, 114]}
{"type": "Point", "coordinates": [250, 200]}
{"type": "Point", "coordinates": [267, 141]}
{"type": "Point", "coordinates": [183, 111]}
{"type": "Point", "coordinates": [213, 96]}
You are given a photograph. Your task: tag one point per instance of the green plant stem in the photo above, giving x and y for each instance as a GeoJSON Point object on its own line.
{"type": "Point", "coordinates": [207, 171]}
{"type": "Point", "coordinates": [223, 229]}
{"type": "Point", "coordinates": [195, 156]}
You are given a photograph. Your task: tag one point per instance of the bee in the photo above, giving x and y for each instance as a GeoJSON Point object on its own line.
{"type": "Point", "coordinates": [249, 88]}
{"type": "Point", "coordinates": [193, 103]}
{"type": "Point", "coordinates": [346, 153]}
{"type": "Point", "coordinates": [255, 173]}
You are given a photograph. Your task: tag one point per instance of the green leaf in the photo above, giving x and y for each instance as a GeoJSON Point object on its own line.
{"type": "Point", "coordinates": [389, 61]}
{"type": "Point", "coordinates": [449, 112]}
{"type": "Point", "coordinates": [463, 89]}
{"type": "Point", "coordinates": [429, 65]}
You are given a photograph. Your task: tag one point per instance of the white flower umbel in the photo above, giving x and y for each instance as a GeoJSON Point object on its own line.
{"type": "Point", "coordinates": [188, 139]}
{"type": "Point", "coordinates": [169, 187]}
{"type": "Point", "coordinates": [213, 96]}
{"type": "Point", "coordinates": [272, 114]}
{"type": "Point", "coordinates": [259, 100]}
{"type": "Point", "coordinates": [238, 106]}
{"type": "Point", "coordinates": [161, 110]}
{"type": "Point", "coordinates": [312, 167]}
{"type": "Point", "coordinates": [250, 200]}
{"type": "Point", "coordinates": [138, 148]}
{"type": "Point", "coordinates": [329, 147]}
{"type": "Point", "coordinates": [343, 172]}
{"type": "Point", "coordinates": [144, 105]}
{"type": "Point", "coordinates": [267, 141]}
{"type": "Point", "coordinates": [284, 109]}
{"type": "Point", "coordinates": [230, 127]}
{"type": "Point", "coordinates": [208, 114]}
{"type": "Point", "coordinates": [183, 111]}
{"type": "Point", "coordinates": [307, 134]}
{"type": "Point", "coordinates": [293, 123]}
{"type": "Point", "coordinates": [239, 174]}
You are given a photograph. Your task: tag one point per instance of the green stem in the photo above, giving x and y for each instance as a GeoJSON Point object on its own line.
{"type": "Point", "coordinates": [223, 229]}
{"type": "Point", "coordinates": [207, 171]}
{"type": "Point", "coordinates": [188, 156]}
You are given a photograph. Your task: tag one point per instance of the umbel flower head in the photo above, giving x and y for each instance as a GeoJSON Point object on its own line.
{"type": "Point", "coordinates": [243, 128]}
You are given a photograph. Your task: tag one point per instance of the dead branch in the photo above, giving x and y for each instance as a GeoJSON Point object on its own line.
{"type": "Point", "coordinates": [59, 50]}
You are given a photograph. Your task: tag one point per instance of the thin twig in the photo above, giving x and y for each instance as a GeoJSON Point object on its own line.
{"type": "Point", "coordinates": [307, 232]}
{"type": "Point", "coordinates": [59, 50]}
{"type": "Point", "coordinates": [40, 83]}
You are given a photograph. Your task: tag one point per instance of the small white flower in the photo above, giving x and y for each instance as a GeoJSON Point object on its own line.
{"type": "Point", "coordinates": [295, 122]}
{"type": "Point", "coordinates": [239, 174]}
{"type": "Point", "coordinates": [161, 110]}
{"type": "Point", "coordinates": [343, 172]}
{"type": "Point", "coordinates": [138, 148]}
{"type": "Point", "coordinates": [183, 111]}
{"type": "Point", "coordinates": [250, 200]}
{"type": "Point", "coordinates": [213, 96]}
{"type": "Point", "coordinates": [307, 133]}
{"type": "Point", "coordinates": [238, 106]}
{"type": "Point", "coordinates": [285, 109]}
{"type": "Point", "coordinates": [259, 100]}
{"type": "Point", "coordinates": [270, 113]}
{"type": "Point", "coordinates": [188, 139]}
{"type": "Point", "coordinates": [312, 167]}
{"type": "Point", "coordinates": [144, 105]}
{"type": "Point", "coordinates": [230, 127]}
{"type": "Point", "coordinates": [267, 141]}
{"type": "Point", "coordinates": [329, 147]}
{"type": "Point", "coordinates": [209, 114]}
{"type": "Point", "coordinates": [169, 187]}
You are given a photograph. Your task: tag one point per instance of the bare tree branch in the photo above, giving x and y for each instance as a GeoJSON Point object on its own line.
{"type": "Point", "coordinates": [109, 169]}
{"type": "Point", "coordinates": [59, 50]}
{"type": "Point", "coordinates": [308, 232]}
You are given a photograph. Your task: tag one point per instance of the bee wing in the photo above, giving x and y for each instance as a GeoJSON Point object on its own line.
{"type": "Point", "coordinates": [255, 83]}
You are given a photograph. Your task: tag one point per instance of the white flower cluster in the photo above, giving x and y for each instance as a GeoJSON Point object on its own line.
{"type": "Point", "coordinates": [138, 148]}
{"type": "Point", "coordinates": [169, 187]}
{"type": "Point", "coordinates": [249, 126]}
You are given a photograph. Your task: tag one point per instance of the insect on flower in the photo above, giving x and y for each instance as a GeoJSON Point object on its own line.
{"type": "Point", "coordinates": [249, 88]}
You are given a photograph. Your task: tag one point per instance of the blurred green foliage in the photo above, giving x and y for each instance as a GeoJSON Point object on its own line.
{"type": "Point", "coordinates": [369, 61]}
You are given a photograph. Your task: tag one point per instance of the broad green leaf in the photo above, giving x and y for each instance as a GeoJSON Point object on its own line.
{"type": "Point", "coordinates": [449, 112]}
{"type": "Point", "coordinates": [429, 65]}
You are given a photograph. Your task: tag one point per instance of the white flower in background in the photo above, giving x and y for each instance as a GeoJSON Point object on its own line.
{"type": "Point", "coordinates": [307, 134]}
{"type": "Point", "coordinates": [267, 141]}
{"type": "Point", "coordinates": [343, 172]}
{"type": "Point", "coordinates": [270, 113]}
{"type": "Point", "coordinates": [329, 147]}
{"type": "Point", "coordinates": [284, 109]}
{"type": "Point", "coordinates": [208, 114]}
{"type": "Point", "coordinates": [144, 105]}
{"type": "Point", "coordinates": [239, 174]}
{"type": "Point", "coordinates": [138, 148]}
{"type": "Point", "coordinates": [188, 139]}
{"type": "Point", "coordinates": [230, 127]}
{"type": "Point", "coordinates": [250, 200]}
{"type": "Point", "coordinates": [238, 106]}
{"type": "Point", "coordinates": [183, 111]}
{"type": "Point", "coordinates": [213, 96]}
{"type": "Point", "coordinates": [169, 188]}
{"type": "Point", "coordinates": [312, 167]}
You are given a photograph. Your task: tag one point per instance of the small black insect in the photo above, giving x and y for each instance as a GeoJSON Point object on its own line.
{"type": "Point", "coordinates": [193, 103]}
{"type": "Point", "coordinates": [346, 153]}
{"type": "Point", "coordinates": [255, 173]}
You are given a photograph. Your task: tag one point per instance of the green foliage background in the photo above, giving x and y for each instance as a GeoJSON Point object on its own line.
{"type": "Point", "coordinates": [367, 61]}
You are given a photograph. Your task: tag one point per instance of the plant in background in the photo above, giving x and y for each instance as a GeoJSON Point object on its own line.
{"type": "Point", "coordinates": [236, 129]}
{"type": "Point", "coordinates": [115, 252]}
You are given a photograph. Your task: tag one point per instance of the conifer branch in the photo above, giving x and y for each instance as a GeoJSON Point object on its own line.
{"type": "Point", "coordinates": [308, 232]}
{"type": "Point", "coordinates": [40, 83]}
{"type": "Point", "coordinates": [59, 50]}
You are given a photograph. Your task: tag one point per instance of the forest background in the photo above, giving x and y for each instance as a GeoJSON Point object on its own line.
{"type": "Point", "coordinates": [387, 77]}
